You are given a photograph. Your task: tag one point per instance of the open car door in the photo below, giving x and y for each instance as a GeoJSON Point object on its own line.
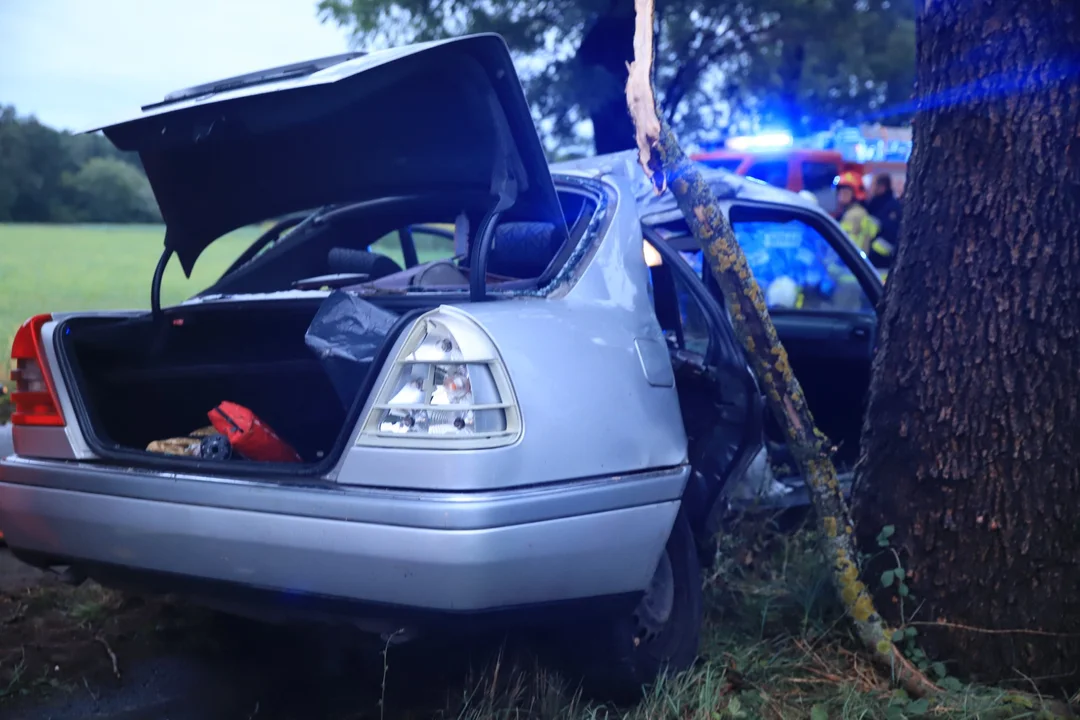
{"type": "Point", "coordinates": [822, 295]}
{"type": "Point", "coordinates": [721, 404]}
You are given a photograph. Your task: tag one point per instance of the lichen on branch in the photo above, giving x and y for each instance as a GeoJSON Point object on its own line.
{"type": "Point", "coordinates": [668, 167]}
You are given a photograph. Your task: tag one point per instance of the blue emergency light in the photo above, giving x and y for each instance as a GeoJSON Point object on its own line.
{"type": "Point", "coordinates": [761, 141]}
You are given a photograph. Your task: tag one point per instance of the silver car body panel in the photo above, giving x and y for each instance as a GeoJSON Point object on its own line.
{"type": "Point", "coordinates": [587, 404]}
{"type": "Point", "coordinates": [467, 511]}
{"type": "Point", "coordinates": [465, 553]}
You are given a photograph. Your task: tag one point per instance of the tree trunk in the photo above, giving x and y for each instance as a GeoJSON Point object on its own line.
{"type": "Point", "coordinates": [604, 53]}
{"type": "Point", "coordinates": [971, 447]}
{"type": "Point", "coordinates": [793, 61]}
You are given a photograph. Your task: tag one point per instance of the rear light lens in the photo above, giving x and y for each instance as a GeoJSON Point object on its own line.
{"type": "Point", "coordinates": [448, 388]}
{"type": "Point", "coordinates": [33, 396]}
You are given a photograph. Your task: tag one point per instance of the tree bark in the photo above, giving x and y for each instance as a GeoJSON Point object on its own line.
{"type": "Point", "coordinates": [971, 446]}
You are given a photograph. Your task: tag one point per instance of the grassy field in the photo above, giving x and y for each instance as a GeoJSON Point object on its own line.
{"type": "Point", "coordinates": [53, 268]}
{"type": "Point", "coordinates": [57, 268]}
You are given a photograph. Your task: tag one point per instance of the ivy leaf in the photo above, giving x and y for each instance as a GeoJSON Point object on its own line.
{"type": "Point", "coordinates": [911, 631]}
{"type": "Point", "coordinates": [897, 636]}
{"type": "Point", "coordinates": [899, 573]}
{"type": "Point", "coordinates": [818, 712]}
{"type": "Point", "coordinates": [903, 590]}
{"type": "Point", "coordinates": [951, 683]}
{"type": "Point", "coordinates": [939, 670]}
{"type": "Point", "coordinates": [919, 707]}
{"type": "Point", "coordinates": [887, 578]}
{"type": "Point", "coordinates": [887, 531]}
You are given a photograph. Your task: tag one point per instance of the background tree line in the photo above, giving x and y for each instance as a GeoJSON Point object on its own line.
{"type": "Point", "coordinates": [801, 64]}
{"type": "Point", "coordinates": [51, 176]}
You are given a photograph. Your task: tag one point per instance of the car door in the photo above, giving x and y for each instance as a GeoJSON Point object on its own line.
{"type": "Point", "coordinates": [773, 172]}
{"type": "Point", "coordinates": [720, 401]}
{"type": "Point", "coordinates": [821, 294]}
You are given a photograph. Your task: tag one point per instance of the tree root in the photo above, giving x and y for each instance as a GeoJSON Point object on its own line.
{"type": "Point", "coordinates": [667, 166]}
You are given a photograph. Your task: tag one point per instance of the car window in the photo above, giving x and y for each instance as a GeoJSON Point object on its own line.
{"type": "Point", "coordinates": [773, 172]}
{"type": "Point", "coordinates": [798, 269]}
{"type": "Point", "coordinates": [680, 314]}
{"type": "Point", "coordinates": [730, 165]}
{"type": "Point", "coordinates": [818, 177]}
{"type": "Point", "coordinates": [433, 242]}
{"type": "Point", "coordinates": [390, 246]}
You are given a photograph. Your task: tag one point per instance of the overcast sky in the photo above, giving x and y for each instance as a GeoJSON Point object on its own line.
{"type": "Point", "coordinates": [79, 63]}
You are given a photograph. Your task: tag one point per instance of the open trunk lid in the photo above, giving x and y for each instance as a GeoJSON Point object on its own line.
{"type": "Point", "coordinates": [448, 114]}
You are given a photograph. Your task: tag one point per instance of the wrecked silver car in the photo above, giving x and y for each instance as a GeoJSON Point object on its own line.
{"type": "Point", "coordinates": [533, 424]}
{"type": "Point", "coordinates": [822, 293]}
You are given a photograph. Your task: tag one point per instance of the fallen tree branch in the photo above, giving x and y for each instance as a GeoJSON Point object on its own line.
{"type": "Point", "coordinates": [112, 655]}
{"type": "Point", "coordinates": [667, 165]}
{"type": "Point", "coordinates": [989, 631]}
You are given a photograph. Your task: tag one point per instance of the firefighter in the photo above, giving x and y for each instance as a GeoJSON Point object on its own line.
{"type": "Point", "coordinates": [886, 207]}
{"type": "Point", "coordinates": [859, 224]}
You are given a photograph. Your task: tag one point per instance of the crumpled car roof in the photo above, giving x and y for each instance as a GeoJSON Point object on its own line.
{"type": "Point", "coordinates": [726, 185]}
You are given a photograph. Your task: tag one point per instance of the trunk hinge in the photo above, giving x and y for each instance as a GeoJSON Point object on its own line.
{"type": "Point", "coordinates": [504, 187]}
{"type": "Point", "coordinates": [155, 285]}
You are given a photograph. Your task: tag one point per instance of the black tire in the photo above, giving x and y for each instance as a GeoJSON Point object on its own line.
{"type": "Point", "coordinates": [620, 661]}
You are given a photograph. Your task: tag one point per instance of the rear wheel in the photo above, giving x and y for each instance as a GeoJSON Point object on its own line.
{"type": "Point", "coordinates": [627, 653]}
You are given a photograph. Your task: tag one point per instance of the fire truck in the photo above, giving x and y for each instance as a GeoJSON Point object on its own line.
{"type": "Point", "coordinates": [813, 163]}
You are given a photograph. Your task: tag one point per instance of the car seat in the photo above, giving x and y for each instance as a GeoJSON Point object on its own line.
{"type": "Point", "coordinates": [523, 250]}
{"type": "Point", "coordinates": [347, 260]}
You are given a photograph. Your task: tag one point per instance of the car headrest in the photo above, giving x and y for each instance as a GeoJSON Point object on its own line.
{"type": "Point", "coordinates": [523, 250]}
{"type": "Point", "coordinates": [347, 260]}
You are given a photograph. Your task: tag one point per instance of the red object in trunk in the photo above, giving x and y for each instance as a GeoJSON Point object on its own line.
{"type": "Point", "coordinates": [249, 435]}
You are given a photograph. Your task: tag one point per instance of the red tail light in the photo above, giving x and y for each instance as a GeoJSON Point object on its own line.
{"type": "Point", "coordinates": [33, 397]}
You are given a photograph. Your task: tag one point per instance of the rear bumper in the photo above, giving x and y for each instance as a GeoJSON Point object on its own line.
{"type": "Point", "coordinates": [460, 552]}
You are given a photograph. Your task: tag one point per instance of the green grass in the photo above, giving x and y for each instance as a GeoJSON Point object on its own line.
{"type": "Point", "coordinates": [58, 268]}
{"type": "Point", "coordinates": [775, 645]}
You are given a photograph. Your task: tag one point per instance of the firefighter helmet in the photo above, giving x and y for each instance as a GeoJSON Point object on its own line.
{"type": "Point", "coordinates": [852, 180]}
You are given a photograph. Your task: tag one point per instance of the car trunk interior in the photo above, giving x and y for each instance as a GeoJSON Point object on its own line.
{"type": "Point", "coordinates": [141, 379]}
